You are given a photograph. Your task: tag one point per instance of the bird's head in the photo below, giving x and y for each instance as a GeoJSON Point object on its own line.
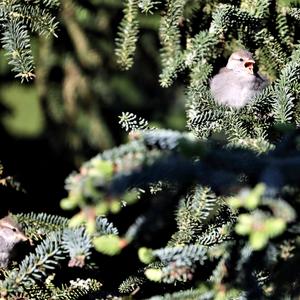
{"type": "Point", "coordinates": [11, 231]}
{"type": "Point", "coordinates": [241, 61]}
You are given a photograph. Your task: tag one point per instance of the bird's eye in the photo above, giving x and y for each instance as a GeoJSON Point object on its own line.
{"type": "Point", "coordinates": [241, 59]}
{"type": "Point", "coordinates": [14, 229]}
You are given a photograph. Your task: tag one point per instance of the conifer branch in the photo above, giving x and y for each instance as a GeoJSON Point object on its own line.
{"type": "Point", "coordinates": [34, 266]}
{"type": "Point", "coordinates": [78, 244]}
{"type": "Point", "coordinates": [179, 262]}
{"type": "Point", "coordinates": [171, 52]}
{"type": "Point", "coordinates": [16, 42]}
{"type": "Point", "coordinates": [44, 222]}
{"type": "Point", "coordinates": [17, 18]}
{"type": "Point", "coordinates": [127, 35]}
{"type": "Point", "coordinates": [147, 6]}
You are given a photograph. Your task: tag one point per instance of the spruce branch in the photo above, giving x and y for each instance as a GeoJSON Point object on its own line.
{"type": "Point", "coordinates": [283, 105]}
{"type": "Point", "coordinates": [215, 234]}
{"type": "Point", "coordinates": [46, 3]}
{"type": "Point", "coordinates": [78, 244]}
{"type": "Point", "coordinates": [204, 115]}
{"type": "Point", "coordinates": [131, 284]}
{"type": "Point", "coordinates": [284, 96]}
{"type": "Point", "coordinates": [164, 139]}
{"type": "Point", "coordinates": [17, 18]}
{"type": "Point", "coordinates": [192, 294]}
{"type": "Point", "coordinates": [134, 229]}
{"type": "Point", "coordinates": [271, 49]}
{"type": "Point", "coordinates": [199, 74]}
{"type": "Point", "coordinates": [37, 19]}
{"type": "Point", "coordinates": [179, 262]}
{"type": "Point", "coordinates": [16, 42]}
{"type": "Point", "coordinates": [171, 53]}
{"type": "Point", "coordinates": [147, 6]}
{"type": "Point", "coordinates": [127, 35]}
{"type": "Point", "coordinates": [258, 8]}
{"type": "Point", "coordinates": [239, 136]}
{"type": "Point", "coordinates": [104, 227]}
{"type": "Point", "coordinates": [37, 226]}
{"type": "Point", "coordinates": [35, 265]}
{"type": "Point", "coordinates": [228, 17]}
{"type": "Point", "coordinates": [200, 49]}
{"type": "Point", "coordinates": [203, 203]}
{"type": "Point", "coordinates": [131, 122]}
{"type": "Point", "coordinates": [77, 289]}
{"type": "Point", "coordinates": [295, 12]}
{"type": "Point", "coordinates": [73, 290]}
{"type": "Point", "coordinates": [283, 29]}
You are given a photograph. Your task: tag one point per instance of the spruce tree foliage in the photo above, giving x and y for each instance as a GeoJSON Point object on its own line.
{"type": "Point", "coordinates": [88, 88]}
{"type": "Point", "coordinates": [240, 209]}
{"type": "Point", "coordinates": [264, 27]}
{"type": "Point", "coordinates": [18, 19]}
{"type": "Point", "coordinates": [54, 242]}
{"type": "Point", "coordinates": [241, 216]}
{"type": "Point", "coordinates": [234, 173]}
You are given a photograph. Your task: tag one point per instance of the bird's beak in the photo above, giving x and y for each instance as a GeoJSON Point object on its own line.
{"type": "Point", "coordinates": [22, 237]}
{"type": "Point", "coordinates": [249, 65]}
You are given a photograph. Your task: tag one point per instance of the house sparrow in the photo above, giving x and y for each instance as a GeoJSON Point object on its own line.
{"type": "Point", "coordinates": [237, 83]}
{"type": "Point", "coordinates": [10, 235]}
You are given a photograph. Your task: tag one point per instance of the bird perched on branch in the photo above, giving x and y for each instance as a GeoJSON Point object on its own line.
{"type": "Point", "coordinates": [10, 235]}
{"type": "Point", "coordinates": [237, 83]}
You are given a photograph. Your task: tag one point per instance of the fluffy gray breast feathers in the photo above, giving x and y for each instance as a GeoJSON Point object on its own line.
{"type": "Point", "coordinates": [237, 83]}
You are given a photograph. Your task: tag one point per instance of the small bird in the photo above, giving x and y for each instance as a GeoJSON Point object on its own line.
{"type": "Point", "coordinates": [10, 234]}
{"type": "Point", "coordinates": [237, 83]}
